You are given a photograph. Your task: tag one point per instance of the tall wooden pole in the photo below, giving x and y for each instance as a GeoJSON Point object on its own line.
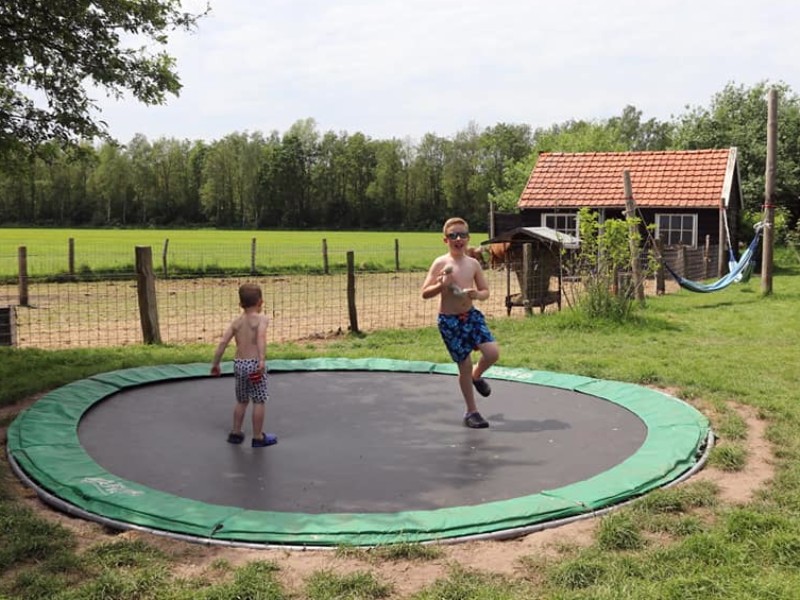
{"type": "Point", "coordinates": [722, 264]}
{"type": "Point", "coordinates": [769, 193]}
{"type": "Point", "coordinates": [630, 213]}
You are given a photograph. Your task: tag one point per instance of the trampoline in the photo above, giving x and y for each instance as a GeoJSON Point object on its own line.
{"type": "Point", "coordinates": [370, 452]}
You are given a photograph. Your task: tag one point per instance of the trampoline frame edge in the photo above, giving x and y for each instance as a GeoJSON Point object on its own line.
{"type": "Point", "coordinates": [514, 527]}
{"type": "Point", "coordinates": [507, 534]}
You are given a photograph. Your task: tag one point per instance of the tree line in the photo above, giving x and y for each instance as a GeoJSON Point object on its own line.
{"type": "Point", "coordinates": [304, 178]}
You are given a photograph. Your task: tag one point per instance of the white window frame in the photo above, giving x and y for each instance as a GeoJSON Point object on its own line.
{"type": "Point", "coordinates": [559, 216]}
{"type": "Point", "coordinates": [670, 235]}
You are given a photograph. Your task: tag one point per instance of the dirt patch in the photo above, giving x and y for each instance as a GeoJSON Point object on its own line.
{"type": "Point", "coordinates": [408, 577]}
{"type": "Point", "coordinates": [740, 486]}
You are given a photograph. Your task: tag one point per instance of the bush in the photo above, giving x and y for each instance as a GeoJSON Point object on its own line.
{"type": "Point", "coordinates": [603, 267]}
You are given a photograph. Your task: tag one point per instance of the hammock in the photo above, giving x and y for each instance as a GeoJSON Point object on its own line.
{"type": "Point", "coordinates": [738, 271]}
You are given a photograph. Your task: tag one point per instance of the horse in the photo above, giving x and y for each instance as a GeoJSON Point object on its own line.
{"type": "Point", "coordinates": [497, 254]}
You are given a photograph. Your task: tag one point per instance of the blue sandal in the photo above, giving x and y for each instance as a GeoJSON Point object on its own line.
{"type": "Point", "coordinates": [235, 438]}
{"type": "Point", "coordinates": [267, 439]}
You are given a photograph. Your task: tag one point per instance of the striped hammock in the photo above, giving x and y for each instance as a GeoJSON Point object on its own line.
{"type": "Point", "coordinates": [738, 270]}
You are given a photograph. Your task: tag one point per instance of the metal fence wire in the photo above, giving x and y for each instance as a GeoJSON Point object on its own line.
{"type": "Point", "coordinates": [102, 309]}
{"type": "Point", "coordinates": [105, 312]}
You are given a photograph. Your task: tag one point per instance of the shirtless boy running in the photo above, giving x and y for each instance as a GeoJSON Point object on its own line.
{"type": "Point", "coordinates": [458, 279]}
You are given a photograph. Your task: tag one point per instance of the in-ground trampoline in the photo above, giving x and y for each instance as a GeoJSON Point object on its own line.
{"type": "Point", "coordinates": [370, 452]}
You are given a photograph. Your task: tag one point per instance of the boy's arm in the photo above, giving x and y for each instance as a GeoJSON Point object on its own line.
{"type": "Point", "coordinates": [481, 289]}
{"type": "Point", "coordinates": [433, 284]}
{"type": "Point", "coordinates": [226, 338]}
{"type": "Point", "coordinates": [261, 341]}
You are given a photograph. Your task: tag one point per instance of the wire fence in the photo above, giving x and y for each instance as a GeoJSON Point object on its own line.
{"type": "Point", "coordinates": [106, 312]}
{"type": "Point", "coordinates": [102, 309]}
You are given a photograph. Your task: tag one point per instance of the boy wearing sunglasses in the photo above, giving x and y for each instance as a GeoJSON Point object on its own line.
{"type": "Point", "coordinates": [458, 280]}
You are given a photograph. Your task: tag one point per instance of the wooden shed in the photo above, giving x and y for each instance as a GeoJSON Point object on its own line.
{"type": "Point", "coordinates": [534, 255]}
{"type": "Point", "coordinates": [691, 197]}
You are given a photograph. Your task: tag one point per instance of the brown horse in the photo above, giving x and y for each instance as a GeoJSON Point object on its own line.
{"type": "Point", "coordinates": [478, 253]}
{"type": "Point", "coordinates": [497, 254]}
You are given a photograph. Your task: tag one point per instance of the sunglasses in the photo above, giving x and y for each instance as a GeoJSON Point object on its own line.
{"type": "Point", "coordinates": [458, 234]}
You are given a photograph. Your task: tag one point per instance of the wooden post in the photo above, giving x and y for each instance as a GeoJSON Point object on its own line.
{"type": "Point", "coordinates": [707, 257]}
{"type": "Point", "coordinates": [71, 256]}
{"type": "Point", "coordinates": [661, 284]}
{"type": "Point", "coordinates": [527, 276]}
{"type": "Point", "coordinates": [683, 262]}
{"type": "Point", "coordinates": [351, 292]}
{"type": "Point", "coordinates": [8, 335]}
{"type": "Point", "coordinates": [491, 219]}
{"type": "Point", "coordinates": [22, 261]}
{"type": "Point", "coordinates": [164, 265]}
{"type": "Point", "coordinates": [325, 268]}
{"type": "Point", "coordinates": [769, 193]}
{"type": "Point", "coordinates": [630, 213]}
{"type": "Point", "coordinates": [396, 255]}
{"type": "Point", "coordinates": [146, 291]}
{"type": "Point", "coordinates": [721, 262]}
{"type": "Point", "coordinates": [507, 262]}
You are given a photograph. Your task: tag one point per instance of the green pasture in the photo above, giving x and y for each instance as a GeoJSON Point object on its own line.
{"type": "Point", "coordinates": [720, 351]}
{"type": "Point", "coordinates": [201, 250]}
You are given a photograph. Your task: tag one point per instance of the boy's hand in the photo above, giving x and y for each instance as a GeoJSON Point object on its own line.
{"type": "Point", "coordinates": [443, 274]}
{"type": "Point", "coordinates": [215, 370]}
{"type": "Point", "coordinates": [472, 293]}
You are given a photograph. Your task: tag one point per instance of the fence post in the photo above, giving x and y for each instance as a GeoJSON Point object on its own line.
{"type": "Point", "coordinates": [71, 257]}
{"type": "Point", "coordinates": [351, 292]}
{"type": "Point", "coordinates": [164, 258]}
{"type": "Point", "coordinates": [527, 275]}
{"type": "Point", "coordinates": [8, 335]}
{"type": "Point", "coordinates": [146, 291]}
{"type": "Point", "coordinates": [683, 261]}
{"type": "Point", "coordinates": [325, 256]}
{"type": "Point", "coordinates": [661, 284]}
{"type": "Point", "coordinates": [707, 256]}
{"type": "Point", "coordinates": [396, 255]}
{"type": "Point", "coordinates": [253, 256]}
{"type": "Point", "coordinates": [22, 260]}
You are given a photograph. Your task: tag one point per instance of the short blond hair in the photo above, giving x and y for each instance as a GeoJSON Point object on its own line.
{"type": "Point", "coordinates": [454, 221]}
{"type": "Point", "coordinates": [249, 295]}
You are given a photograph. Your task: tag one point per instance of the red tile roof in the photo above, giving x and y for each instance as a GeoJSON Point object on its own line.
{"type": "Point", "coordinates": [668, 179]}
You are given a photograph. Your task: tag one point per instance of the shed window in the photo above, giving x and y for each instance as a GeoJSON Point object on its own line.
{"type": "Point", "coordinates": [677, 229]}
{"type": "Point", "coordinates": [565, 223]}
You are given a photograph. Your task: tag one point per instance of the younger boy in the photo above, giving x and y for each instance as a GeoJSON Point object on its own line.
{"type": "Point", "coordinates": [459, 279]}
{"type": "Point", "coordinates": [250, 332]}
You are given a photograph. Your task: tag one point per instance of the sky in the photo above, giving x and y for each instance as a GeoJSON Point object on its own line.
{"type": "Point", "coordinates": [404, 68]}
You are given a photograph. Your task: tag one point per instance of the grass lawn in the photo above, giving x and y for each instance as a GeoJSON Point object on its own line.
{"type": "Point", "coordinates": [733, 347]}
{"type": "Point", "coordinates": [103, 250]}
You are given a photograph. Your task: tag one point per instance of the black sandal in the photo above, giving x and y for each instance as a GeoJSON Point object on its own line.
{"type": "Point", "coordinates": [483, 387]}
{"type": "Point", "coordinates": [235, 438]}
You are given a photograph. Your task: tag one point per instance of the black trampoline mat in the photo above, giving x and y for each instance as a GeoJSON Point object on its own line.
{"type": "Point", "coordinates": [358, 441]}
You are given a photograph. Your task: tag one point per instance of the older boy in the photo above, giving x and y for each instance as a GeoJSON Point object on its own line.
{"type": "Point", "coordinates": [458, 279]}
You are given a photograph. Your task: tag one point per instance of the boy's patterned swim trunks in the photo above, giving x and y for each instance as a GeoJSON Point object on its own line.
{"type": "Point", "coordinates": [247, 390]}
{"type": "Point", "coordinates": [464, 333]}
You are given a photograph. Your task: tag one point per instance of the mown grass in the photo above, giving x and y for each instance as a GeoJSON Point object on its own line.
{"type": "Point", "coordinates": [715, 350]}
{"type": "Point", "coordinates": [189, 252]}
